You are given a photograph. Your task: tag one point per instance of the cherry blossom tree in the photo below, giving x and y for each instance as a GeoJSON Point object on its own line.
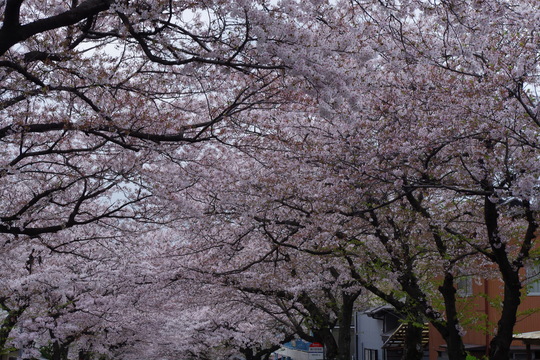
{"type": "Point", "coordinates": [91, 82]}
{"type": "Point", "coordinates": [416, 144]}
{"type": "Point", "coordinates": [95, 94]}
{"type": "Point", "coordinates": [237, 245]}
{"type": "Point", "coordinates": [355, 141]}
{"type": "Point", "coordinates": [468, 143]}
{"type": "Point", "coordinates": [70, 297]}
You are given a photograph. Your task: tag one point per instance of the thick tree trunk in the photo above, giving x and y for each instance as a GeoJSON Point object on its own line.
{"type": "Point", "coordinates": [59, 351]}
{"type": "Point", "coordinates": [499, 347]}
{"type": "Point", "coordinates": [451, 333]}
{"type": "Point", "coordinates": [85, 355]}
{"type": "Point", "coordinates": [331, 347]}
{"type": "Point", "coordinates": [345, 321]}
{"type": "Point", "coordinates": [336, 347]}
{"type": "Point", "coordinates": [456, 348]}
{"type": "Point", "coordinates": [454, 342]}
{"type": "Point", "coordinates": [413, 349]}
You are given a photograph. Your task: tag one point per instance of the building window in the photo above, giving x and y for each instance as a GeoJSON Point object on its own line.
{"type": "Point", "coordinates": [370, 354]}
{"type": "Point", "coordinates": [464, 286]}
{"type": "Point", "coordinates": [533, 279]}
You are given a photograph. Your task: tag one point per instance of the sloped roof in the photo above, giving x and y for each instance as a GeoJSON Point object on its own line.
{"type": "Point", "coordinates": [379, 310]}
{"type": "Point", "coordinates": [532, 337]}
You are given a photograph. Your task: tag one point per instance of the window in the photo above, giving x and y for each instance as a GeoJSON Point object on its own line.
{"type": "Point", "coordinates": [464, 286]}
{"type": "Point", "coordinates": [370, 354]}
{"type": "Point", "coordinates": [533, 279]}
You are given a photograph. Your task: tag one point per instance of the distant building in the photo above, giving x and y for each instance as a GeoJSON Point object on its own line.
{"type": "Point", "coordinates": [380, 334]}
{"type": "Point", "coordinates": [377, 334]}
{"type": "Point", "coordinates": [477, 306]}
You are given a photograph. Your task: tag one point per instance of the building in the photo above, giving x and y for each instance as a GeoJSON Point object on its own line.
{"type": "Point", "coordinates": [478, 303]}
{"type": "Point", "coordinates": [380, 334]}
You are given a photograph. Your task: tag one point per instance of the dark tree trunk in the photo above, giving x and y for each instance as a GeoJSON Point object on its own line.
{"type": "Point", "coordinates": [413, 348]}
{"type": "Point", "coordinates": [345, 321]}
{"type": "Point", "coordinates": [336, 347]}
{"type": "Point", "coordinates": [85, 355]}
{"type": "Point", "coordinates": [452, 335]}
{"type": "Point", "coordinates": [499, 347]}
{"type": "Point", "coordinates": [59, 351]}
{"type": "Point", "coordinates": [331, 347]}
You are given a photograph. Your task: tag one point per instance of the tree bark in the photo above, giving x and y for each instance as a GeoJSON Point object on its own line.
{"type": "Point", "coordinates": [59, 351]}
{"type": "Point", "coordinates": [85, 355]}
{"type": "Point", "coordinates": [331, 348]}
{"type": "Point", "coordinates": [340, 348]}
{"type": "Point", "coordinates": [413, 349]}
{"type": "Point", "coordinates": [345, 321]}
{"type": "Point", "coordinates": [499, 346]}
{"type": "Point", "coordinates": [454, 341]}
{"type": "Point", "coordinates": [12, 32]}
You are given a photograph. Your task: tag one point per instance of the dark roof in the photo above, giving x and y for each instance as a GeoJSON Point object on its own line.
{"type": "Point", "coordinates": [379, 310]}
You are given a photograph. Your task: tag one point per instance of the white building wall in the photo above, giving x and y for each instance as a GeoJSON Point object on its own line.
{"type": "Point", "coordinates": [368, 336]}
